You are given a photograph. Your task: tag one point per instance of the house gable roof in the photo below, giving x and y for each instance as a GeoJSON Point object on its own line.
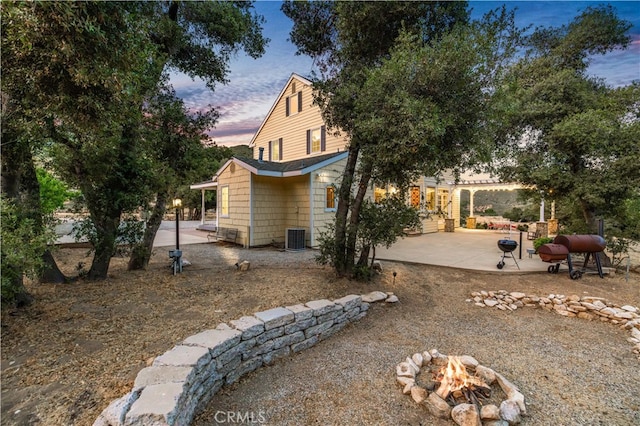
{"type": "Point", "coordinates": [288, 168]}
{"type": "Point", "coordinates": [282, 92]}
{"type": "Point", "coordinates": [275, 169]}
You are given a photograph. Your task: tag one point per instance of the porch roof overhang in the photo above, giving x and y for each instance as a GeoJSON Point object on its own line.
{"type": "Point", "coordinates": [207, 184]}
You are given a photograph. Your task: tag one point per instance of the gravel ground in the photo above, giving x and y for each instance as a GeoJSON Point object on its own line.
{"type": "Point", "coordinates": [81, 345]}
{"type": "Point", "coordinates": [571, 371]}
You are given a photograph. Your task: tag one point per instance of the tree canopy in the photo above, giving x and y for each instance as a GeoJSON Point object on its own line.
{"type": "Point", "coordinates": [90, 68]}
{"type": "Point", "coordinates": [569, 135]}
{"type": "Point", "coordinates": [410, 84]}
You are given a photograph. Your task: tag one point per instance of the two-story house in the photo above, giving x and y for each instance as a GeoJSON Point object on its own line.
{"type": "Point", "coordinates": [288, 188]}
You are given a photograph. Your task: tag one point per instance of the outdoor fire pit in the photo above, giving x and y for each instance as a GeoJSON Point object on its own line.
{"type": "Point", "coordinates": [459, 388]}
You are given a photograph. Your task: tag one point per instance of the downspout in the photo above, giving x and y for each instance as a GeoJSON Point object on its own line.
{"type": "Point", "coordinates": [250, 242]}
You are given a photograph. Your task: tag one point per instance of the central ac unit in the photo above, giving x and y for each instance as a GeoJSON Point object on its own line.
{"type": "Point", "coordinates": [294, 239]}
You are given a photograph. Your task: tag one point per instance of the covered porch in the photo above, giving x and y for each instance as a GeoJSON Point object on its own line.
{"type": "Point", "coordinates": [209, 185]}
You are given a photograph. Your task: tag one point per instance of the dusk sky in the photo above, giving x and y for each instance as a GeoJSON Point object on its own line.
{"type": "Point", "coordinates": [255, 84]}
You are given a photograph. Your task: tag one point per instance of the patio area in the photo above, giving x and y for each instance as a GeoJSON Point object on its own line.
{"type": "Point", "coordinates": [465, 249]}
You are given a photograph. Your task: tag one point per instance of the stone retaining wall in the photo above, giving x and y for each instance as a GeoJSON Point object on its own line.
{"type": "Point", "coordinates": [183, 380]}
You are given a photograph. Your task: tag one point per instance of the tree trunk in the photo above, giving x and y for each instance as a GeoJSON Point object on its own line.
{"type": "Point", "coordinates": [589, 217]}
{"type": "Point", "coordinates": [51, 273]}
{"type": "Point", "coordinates": [195, 213]}
{"type": "Point", "coordinates": [354, 218]}
{"type": "Point", "coordinates": [20, 185]}
{"type": "Point", "coordinates": [364, 256]}
{"type": "Point", "coordinates": [106, 228]}
{"type": "Point", "coordinates": [342, 212]}
{"type": "Point", "coordinates": [31, 188]}
{"type": "Point", "coordinates": [142, 253]}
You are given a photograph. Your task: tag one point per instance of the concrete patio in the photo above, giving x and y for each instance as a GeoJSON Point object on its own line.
{"type": "Point", "coordinates": [465, 249]}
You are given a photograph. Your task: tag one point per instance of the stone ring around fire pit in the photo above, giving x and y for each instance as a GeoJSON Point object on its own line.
{"type": "Point", "coordinates": [456, 386]}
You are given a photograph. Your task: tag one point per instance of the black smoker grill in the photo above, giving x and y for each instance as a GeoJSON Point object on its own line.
{"type": "Point", "coordinates": [507, 247]}
{"type": "Point", "coordinates": [564, 245]}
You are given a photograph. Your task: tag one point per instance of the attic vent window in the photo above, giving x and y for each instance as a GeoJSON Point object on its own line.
{"type": "Point", "coordinates": [293, 87]}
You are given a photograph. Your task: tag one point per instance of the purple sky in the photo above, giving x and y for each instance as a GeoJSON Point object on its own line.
{"type": "Point", "coordinates": [254, 84]}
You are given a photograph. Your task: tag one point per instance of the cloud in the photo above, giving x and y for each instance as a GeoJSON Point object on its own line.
{"type": "Point", "coordinates": [254, 84]}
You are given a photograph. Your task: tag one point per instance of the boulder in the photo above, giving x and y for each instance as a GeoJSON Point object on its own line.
{"type": "Point", "coordinates": [466, 415]}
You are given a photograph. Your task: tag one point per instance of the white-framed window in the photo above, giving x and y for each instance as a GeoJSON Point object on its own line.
{"type": "Point", "coordinates": [275, 150]}
{"type": "Point", "coordinates": [442, 201]}
{"type": "Point", "coordinates": [293, 104]}
{"type": "Point", "coordinates": [224, 201]}
{"type": "Point", "coordinates": [316, 140]}
{"type": "Point", "coordinates": [330, 198]}
{"type": "Point", "coordinates": [430, 200]}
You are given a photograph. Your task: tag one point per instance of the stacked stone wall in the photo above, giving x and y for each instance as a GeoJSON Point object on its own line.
{"type": "Point", "coordinates": [181, 381]}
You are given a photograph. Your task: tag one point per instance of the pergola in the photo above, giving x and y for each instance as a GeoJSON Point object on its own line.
{"type": "Point", "coordinates": [490, 184]}
{"type": "Point", "coordinates": [476, 185]}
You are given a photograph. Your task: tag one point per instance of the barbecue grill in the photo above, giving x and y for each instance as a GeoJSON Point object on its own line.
{"type": "Point", "coordinates": [562, 247]}
{"type": "Point", "coordinates": [507, 247]}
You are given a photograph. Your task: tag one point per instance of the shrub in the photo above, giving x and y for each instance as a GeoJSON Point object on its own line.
{"type": "Point", "coordinates": [541, 241]}
{"type": "Point", "coordinates": [21, 251]}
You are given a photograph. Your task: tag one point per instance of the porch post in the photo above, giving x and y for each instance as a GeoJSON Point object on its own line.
{"type": "Point", "coordinates": [202, 206]}
{"type": "Point", "coordinates": [471, 193]}
{"type": "Point", "coordinates": [542, 210]}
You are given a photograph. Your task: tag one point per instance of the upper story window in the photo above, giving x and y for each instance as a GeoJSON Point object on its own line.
{"type": "Point", "coordinates": [275, 150]}
{"type": "Point", "coordinates": [293, 104]}
{"type": "Point", "coordinates": [316, 140]}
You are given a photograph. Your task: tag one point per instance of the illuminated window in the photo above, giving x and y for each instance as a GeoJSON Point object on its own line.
{"type": "Point", "coordinates": [431, 198]}
{"type": "Point", "coordinates": [224, 201]}
{"type": "Point", "coordinates": [331, 198]}
{"type": "Point", "coordinates": [443, 199]}
{"type": "Point", "coordinates": [293, 104]}
{"type": "Point", "coordinates": [275, 150]}
{"type": "Point", "coordinates": [379, 194]}
{"type": "Point", "coordinates": [414, 195]}
{"type": "Point", "coordinates": [316, 140]}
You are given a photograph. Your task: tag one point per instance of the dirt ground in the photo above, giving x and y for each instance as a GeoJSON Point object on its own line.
{"type": "Point", "coordinates": [80, 345]}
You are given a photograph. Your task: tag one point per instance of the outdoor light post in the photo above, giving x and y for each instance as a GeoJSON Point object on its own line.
{"type": "Point", "coordinates": [176, 254]}
{"type": "Point", "coordinates": [177, 203]}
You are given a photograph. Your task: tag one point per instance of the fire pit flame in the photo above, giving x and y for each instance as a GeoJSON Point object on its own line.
{"type": "Point", "coordinates": [459, 388]}
{"type": "Point", "coordinates": [456, 382]}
